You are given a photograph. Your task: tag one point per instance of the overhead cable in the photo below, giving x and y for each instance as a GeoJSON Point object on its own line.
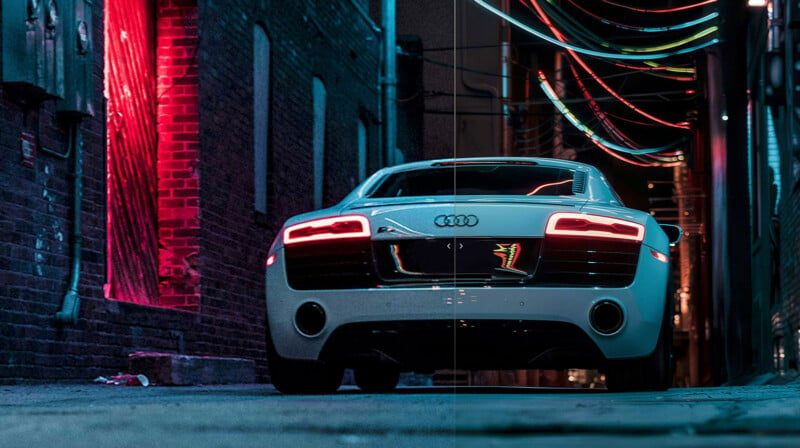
{"type": "Point", "coordinates": [597, 79]}
{"type": "Point", "coordinates": [599, 54]}
{"type": "Point", "coordinates": [567, 113]}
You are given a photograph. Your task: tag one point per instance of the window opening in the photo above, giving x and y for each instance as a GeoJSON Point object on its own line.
{"type": "Point", "coordinates": [153, 187]}
{"type": "Point", "coordinates": [261, 101]}
{"type": "Point", "coordinates": [362, 150]}
{"type": "Point", "coordinates": [319, 95]}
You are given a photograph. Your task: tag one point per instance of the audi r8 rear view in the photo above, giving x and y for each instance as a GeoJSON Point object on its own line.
{"type": "Point", "coordinates": [486, 263]}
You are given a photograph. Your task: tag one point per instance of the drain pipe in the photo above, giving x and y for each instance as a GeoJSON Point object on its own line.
{"type": "Point", "coordinates": [72, 301]}
{"type": "Point", "coordinates": [389, 81]}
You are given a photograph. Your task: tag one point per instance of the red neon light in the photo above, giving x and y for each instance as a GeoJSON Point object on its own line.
{"type": "Point", "coordinates": [655, 69]}
{"type": "Point", "coordinates": [679, 8]}
{"type": "Point", "coordinates": [659, 256]}
{"type": "Point", "coordinates": [271, 260]}
{"type": "Point", "coordinates": [543, 17]}
{"type": "Point", "coordinates": [336, 228]}
{"type": "Point", "coordinates": [593, 226]}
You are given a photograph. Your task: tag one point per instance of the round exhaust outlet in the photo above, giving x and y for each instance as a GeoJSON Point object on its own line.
{"type": "Point", "coordinates": [310, 318]}
{"type": "Point", "coordinates": [606, 317]}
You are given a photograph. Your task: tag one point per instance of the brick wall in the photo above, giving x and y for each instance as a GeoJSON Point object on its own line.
{"type": "Point", "coordinates": [326, 39]}
{"type": "Point", "coordinates": [178, 180]}
{"type": "Point", "coordinates": [436, 30]}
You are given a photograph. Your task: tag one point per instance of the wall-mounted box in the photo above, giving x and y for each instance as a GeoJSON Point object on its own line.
{"type": "Point", "coordinates": [78, 46]}
{"type": "Point", "coordinates": [33, 50]}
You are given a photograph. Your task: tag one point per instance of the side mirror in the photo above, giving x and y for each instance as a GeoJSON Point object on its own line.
{"type": "Point", "coordinates": [674, 233]}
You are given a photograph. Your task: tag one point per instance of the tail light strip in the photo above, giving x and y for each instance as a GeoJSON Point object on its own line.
{"type": "Point", "coordinates": [593, 226]}
{"type": "Point", "coordinates": [335, 228]}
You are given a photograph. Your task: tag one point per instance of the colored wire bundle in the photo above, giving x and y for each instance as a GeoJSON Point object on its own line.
{"type": "Point", "coordinates": [673, 35]}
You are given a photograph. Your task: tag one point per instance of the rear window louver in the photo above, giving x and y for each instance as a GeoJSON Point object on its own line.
{"type": "Point", "coordinates": [579, 182]}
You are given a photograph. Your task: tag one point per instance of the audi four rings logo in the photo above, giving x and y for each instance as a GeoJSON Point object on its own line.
{"type": "Point", "coordinates": [456, 221]}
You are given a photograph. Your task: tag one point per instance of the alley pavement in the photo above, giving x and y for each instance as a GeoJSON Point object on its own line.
{"type": "Point", "coordinates": [98, 415]}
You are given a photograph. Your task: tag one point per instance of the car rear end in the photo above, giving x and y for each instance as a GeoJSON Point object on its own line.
{"type": "Point", "coordinates": [470, 280]}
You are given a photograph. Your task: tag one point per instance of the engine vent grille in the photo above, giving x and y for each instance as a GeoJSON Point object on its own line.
{"type": "Point", "coordinates": [579, 182]}
{"type": "Point", "coordinates": [330, 266]}
{"type": "Point", "coordinates": [553, 261]}
{"type": "Point", "coordinates": [587, 262]}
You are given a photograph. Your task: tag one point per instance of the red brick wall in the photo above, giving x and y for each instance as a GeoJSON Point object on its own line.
{"type": "Point", "coordinates": [178, 180]}
{"type": "Point", "coordinates": [326, 39]}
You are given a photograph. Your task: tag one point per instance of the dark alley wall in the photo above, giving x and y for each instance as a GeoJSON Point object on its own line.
{"type": "Point", "coordinates": [335, 41]}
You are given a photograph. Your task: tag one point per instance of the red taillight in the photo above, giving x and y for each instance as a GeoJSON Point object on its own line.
{"type": "Point", "coordinates": [593, 226]}
{"type": "Point", "coordinates": [339, 227]}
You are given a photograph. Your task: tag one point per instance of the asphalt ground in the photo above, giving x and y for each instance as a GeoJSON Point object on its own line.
{"type": "Point", "coordinates": [96, 415]}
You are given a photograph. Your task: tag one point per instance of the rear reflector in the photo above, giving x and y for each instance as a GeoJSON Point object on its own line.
{"type": "Point", "coordinates": [659, 256]}
{"type": "Point", "coordinates": [339, 227]}
{"type": "Point", "coordinates": [593, 226]}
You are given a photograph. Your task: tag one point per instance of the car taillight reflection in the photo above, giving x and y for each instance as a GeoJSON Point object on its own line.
{"type": "Point", "coordinates": [339, 227]}
{"type": "Point", "coordinates": [593, 226]}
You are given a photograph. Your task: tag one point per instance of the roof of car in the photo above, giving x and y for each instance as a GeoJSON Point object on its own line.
{"type": "Point", "coordinates": [560, 163]}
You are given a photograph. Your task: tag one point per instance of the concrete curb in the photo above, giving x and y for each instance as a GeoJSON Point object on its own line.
{"type": "Point", "coordinates": [169, 369]}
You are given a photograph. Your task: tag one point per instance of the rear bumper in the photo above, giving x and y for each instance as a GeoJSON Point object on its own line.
{"type": "Point", "coordinates": [427, 345]}
{"type": "Point", "coordinates": [422, 318]}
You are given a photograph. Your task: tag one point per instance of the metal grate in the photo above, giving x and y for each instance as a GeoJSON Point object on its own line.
{"type": "Point", "coordinates": [560, 262]}
{"type": "Point", "coordinates": [330, 266]}
{"type": "Point", "coordinates": [579, 182]}
{"type": "Point", "coordinates": [587, 262]}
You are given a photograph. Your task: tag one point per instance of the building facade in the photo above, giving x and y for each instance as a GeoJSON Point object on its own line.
{"type": "Point", "coordinates": [149, 151]}
{"type": "Point", "coordinates": [773, 123]}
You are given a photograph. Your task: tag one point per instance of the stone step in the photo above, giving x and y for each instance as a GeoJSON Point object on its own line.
{"type": "Point", "coordinates": [170, 369]}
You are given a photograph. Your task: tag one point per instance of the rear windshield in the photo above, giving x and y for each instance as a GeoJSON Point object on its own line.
{"type": "Point", "coordinates": [519, 180]}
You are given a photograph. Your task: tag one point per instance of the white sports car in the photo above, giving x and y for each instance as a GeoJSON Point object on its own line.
{"type": "Point", "coordinates": [484, 263]}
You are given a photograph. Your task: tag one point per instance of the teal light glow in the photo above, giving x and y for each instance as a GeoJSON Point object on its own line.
{"type": "Point", "coordinates": [774, 156]}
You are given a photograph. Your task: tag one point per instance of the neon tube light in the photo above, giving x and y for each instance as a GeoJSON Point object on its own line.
{"type": "Point", "coordinates": [551, 95]}
{"type": "Point", "coordinates": [653, 67]}
{"type": "Point", "coordinates": [679, 8]}
{"type": "Point", "coordinates": [642, 29]}
{"type": "Point", "coordinates": [613, 130]}
{"type": "Point", "coordinates": [671, 45]}
{"type": "Point", "coordinates": [594, 76]}
{"type": "Point", "coordinates": [672, 69]}
{"type": "Point", "coordinates": [599, 54]}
